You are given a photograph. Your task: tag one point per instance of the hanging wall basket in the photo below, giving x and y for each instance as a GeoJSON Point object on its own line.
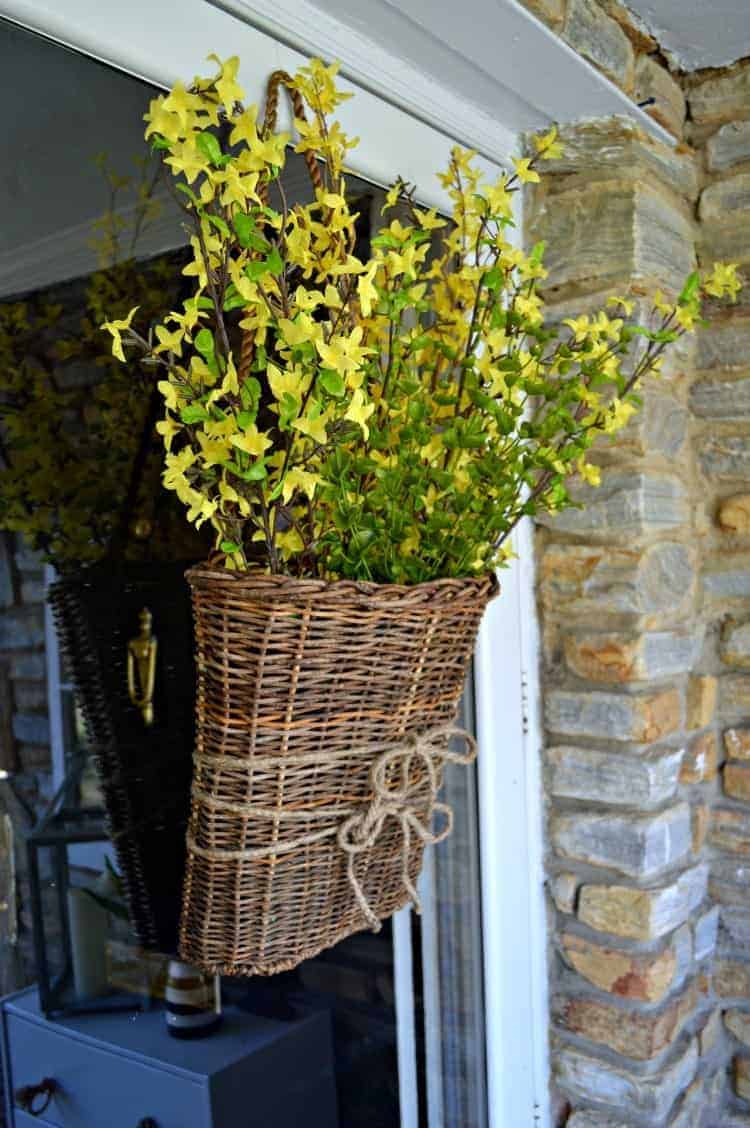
{"type": "Point", "coordinates": [144, 769]}
{"type": "Point", "coordinates": [324, 716]}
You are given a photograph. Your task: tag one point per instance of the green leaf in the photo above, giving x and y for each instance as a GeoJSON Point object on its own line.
{"type": "Point", "coordinates": [274, 262]}
{"type": "Point", "coordinates": [332, 381]}
{"type": "Point", "coordinates": [234, 301]}
{"type": "Point", "coordinates": [244, 225]}
{"type": "Point", "coordinates": [250, 395]}
{"type": "Point", "coordinates": [159, 142]}
{"type": "Point", "coordinates": [194, 413]}
{"type": "Point", "coordinates": [220, 224]}
{"type": "Point", "coordinates": [256, 270]}
{"type": "Point", "coordinates": [690, 289]}
{"type": "Point", "coordinates": [248, 234]}
{"type": "Point", "coordinates": [210, 148]}
{"type": "Point", "coordinates": [494, 279]}
{"type": "Point", "coordinates": [204, 342]}
{"type": "Point", "coordinates": [537, 253]}
{"type": "Point", "coordinates": [188, 191]}
{"type": "Point", "coordinates": [229, 547]}
{"type": "Point", "coordinates": [255, 473]}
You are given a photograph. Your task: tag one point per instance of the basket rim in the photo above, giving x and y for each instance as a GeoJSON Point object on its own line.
{"type": "Point", "coordinates": [259, 583]}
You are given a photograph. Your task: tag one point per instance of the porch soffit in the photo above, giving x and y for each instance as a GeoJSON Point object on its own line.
{"type": "Point", "coordinates": [478, 70]}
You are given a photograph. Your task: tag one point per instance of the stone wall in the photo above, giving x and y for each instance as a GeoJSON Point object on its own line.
{"type": "Point", "coordinates": [719, 127]}
{"type": "Point", "coordinates": [635, 1021]}
{"type": "Point", "coordinates": [643, 599]}
{"type": "Point", "coordinates": [617, 43]}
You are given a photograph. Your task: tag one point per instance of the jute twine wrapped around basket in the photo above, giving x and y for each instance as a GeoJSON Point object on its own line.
{"type": "Point", "coordinates": [324, 716]}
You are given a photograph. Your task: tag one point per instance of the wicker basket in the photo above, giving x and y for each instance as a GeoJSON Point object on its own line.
{"type": "Point", "coordinates": [323, 715]}
{"type": "Point", "coordinates": [145, 772]}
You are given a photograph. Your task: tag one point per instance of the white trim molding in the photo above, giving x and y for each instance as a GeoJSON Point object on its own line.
{"type": "Point", "coordinates": [475, 71]}
{"type": "Point", "coordinates": [181, 33]}
{"type": "Point", "coordinates": [510, 819]}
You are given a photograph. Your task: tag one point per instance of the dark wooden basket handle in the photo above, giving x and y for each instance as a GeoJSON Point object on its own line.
{"type": "Point", "coordinates": [34, 1099]}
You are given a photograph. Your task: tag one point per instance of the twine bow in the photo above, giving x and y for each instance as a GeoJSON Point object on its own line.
{"type": "Point", "coordinates": [418, 761]}
{"type": "Point", "coordinates": [404, 782]}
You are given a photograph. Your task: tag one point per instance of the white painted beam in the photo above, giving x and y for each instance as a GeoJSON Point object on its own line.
{"type": "Point", "coordinates": [460, 67]}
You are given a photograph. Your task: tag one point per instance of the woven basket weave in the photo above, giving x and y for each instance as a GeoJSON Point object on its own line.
{"type": "Point", "coordinates": [302, 685]}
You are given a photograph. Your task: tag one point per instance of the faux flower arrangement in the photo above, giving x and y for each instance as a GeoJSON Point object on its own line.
{"type": "Point", "coordinates": [389, 419]}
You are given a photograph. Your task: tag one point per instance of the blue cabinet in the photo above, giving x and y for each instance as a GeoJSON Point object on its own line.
{"type": "Point", "coordinates": [123, 1070]}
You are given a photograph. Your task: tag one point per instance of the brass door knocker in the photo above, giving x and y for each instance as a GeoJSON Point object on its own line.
{"type": "Point", "coordinates": [142, 668]}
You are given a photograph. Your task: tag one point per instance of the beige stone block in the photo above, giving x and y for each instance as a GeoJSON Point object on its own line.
{"type": "Point", "coordinates": [636, 847]}
{"type": "Point", "coordinates": [725, 344]}
{"type": "Point", "coordinates": [551, 12]}
{"type": "Point", "coordinates": [641, 1099]}
{"type": "Point", "coordinates": [601, 40]}
{"type": "Point", "coordinates": [642, 237]}
{"type": "Point", "coordinates": [585, 581]}
{"type": "Point", "coordinates": [742, 1077]}
{"type": "Point", "coordinates": [615, 658]}
{"type": "Point", "coordinates": [731, 979]}
{"type": "Point", "coordinates": [727, 400]}
{"type": "Point", "coordinates": [618, 148]}
{"type": "Point", "coordinates": [730, 830]}
{"type": "Point", "coordinates": [737, 781]}
{"type": "Point", "coordinates": [647, 978]}
{"type": "Point", "coordinates": [726, 578]}
{"type": "Point", "coordinates": [564, 887]}
{"type": "Point", "coordinates": [701, 701]}
{"type": "Point", "coordinates": [737, 1023]}
{"type": "Point", "coordinates": [602, 658]}
{"type": "Point", "coordinates": [700, 820]}
{"type": "Point", "coordinates": [635, 718]}
{"type": "Point", "coordinates": [723, 198]}
{"type": "Point", "coordinates": [709, 1033]}
{"type": "Point", "coordinates": [725, 241]}
{"type": "Point", "coordinates": [720, 96]}
{"type": "Point", "coordinates": [737, 743]}
{"type": "Point", "coordinates": [627, 505]}
{"type": "Point", "coordinates": [642, 914]}
{"type": "Point", "coordinates": [734, 514]}
{"type": "Point", "coordinates": [701, 759]}
{"type": "Point", "coordinates": [653, 80]}
{"type": "Point", "coordinates": [735, 642]}
{"type": "Point", "coordinates": [639, 1035]}
{"type": "Point", "coordinates": [729, 146]}
{"type": "Point", "coordinates": [734, 697]}
{"type": "Point", "coordinates": [631, 24]}
{"type": "Point", "coordinates": [613, 778]}
{"type": "Point", "coordinates": [587, 1118]}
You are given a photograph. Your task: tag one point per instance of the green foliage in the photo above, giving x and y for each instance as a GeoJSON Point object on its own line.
{"type": "Point", "coordinates": [68, 447]}
{"type": "Point", "coordinates": [394, 418]}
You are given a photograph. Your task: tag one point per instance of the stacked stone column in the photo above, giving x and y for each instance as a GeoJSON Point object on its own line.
{"type": "Point", "coordinates": [631, 753]}
{"type": "Point", "coordinates": [719, 104]}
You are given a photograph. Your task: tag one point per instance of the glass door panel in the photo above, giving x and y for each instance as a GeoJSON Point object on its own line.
{"type": "Point", "coordinates": [67, 222]}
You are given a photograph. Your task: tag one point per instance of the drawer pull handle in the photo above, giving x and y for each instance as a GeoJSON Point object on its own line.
{"type": "Point", "coordinates": [34, 1099]}
{"type": "Point", "coordinates": [147, 1122]}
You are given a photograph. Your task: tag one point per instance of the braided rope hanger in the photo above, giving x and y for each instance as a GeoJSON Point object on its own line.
{"type": "Point", "coordinates": [277, 80]}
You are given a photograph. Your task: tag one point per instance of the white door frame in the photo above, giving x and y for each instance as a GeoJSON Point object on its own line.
{"type": "Point", "coordinates": [169, 39]}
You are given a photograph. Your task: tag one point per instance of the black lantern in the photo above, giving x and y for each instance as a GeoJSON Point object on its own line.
{"type": "Point", "coordinates": [79, 921]}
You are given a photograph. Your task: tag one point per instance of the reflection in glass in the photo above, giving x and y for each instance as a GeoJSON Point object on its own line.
{"type": "Point", "coordinates": [91, 230]}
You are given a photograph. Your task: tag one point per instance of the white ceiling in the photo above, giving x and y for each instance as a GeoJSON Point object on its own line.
{"type": "Point", "coordinates": [698, 33]}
